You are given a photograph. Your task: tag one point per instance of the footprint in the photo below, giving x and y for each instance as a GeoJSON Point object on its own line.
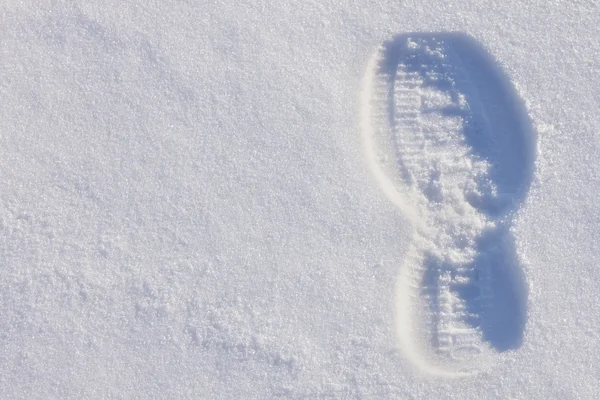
{"type": "Point", "coordinates": [450, 144]}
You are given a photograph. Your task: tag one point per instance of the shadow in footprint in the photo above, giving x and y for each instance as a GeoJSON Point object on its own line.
{"type": "Point", "coordinates": [497, 130]}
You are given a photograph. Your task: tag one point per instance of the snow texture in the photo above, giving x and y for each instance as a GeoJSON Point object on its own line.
{"type": "Point", "coordinates": [300, 200]}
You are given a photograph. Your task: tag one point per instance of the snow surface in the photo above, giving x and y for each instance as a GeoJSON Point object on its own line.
{"type": "Point", "coordinates": [187, 209]}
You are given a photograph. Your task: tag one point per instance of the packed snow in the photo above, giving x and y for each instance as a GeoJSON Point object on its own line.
{"type": "Point", "coordinates": [299, 199]}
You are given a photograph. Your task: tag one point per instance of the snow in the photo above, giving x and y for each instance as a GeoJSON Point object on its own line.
{"type": "Point", "coordinates": [189, 208]}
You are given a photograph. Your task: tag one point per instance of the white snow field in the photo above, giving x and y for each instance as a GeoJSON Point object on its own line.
{"type": "Point", "coordinates": [300, 199]}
